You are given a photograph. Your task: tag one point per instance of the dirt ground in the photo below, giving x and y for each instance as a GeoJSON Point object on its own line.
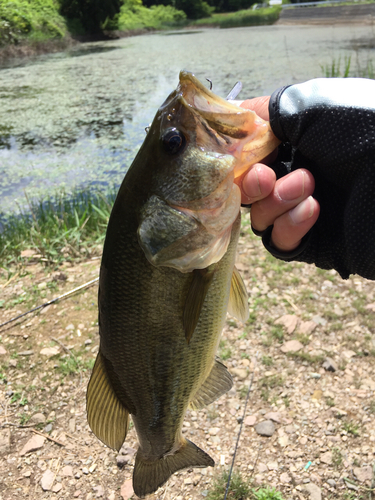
{"type": "Point", "coordinates": [321, 423]}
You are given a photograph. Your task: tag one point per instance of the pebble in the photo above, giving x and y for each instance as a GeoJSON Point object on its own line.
{"type": "Point", "coordinates": [289, 321]}
{"type": "Point", "coordinates": [272, 465]}
{"type": "Point", "coordinates": [241, 373]}
{"type": "Point", "coordinates": [331, 482]}
{"type": "Point", "coordinates": [250, 420]}
{"type": "Point", "coordinates": [291, 346]}
{"type": "Point", "coordinates": [50, 351]}
{"type": "Point", "coordinates": [122, 460]}
{"type": "Point", "coordinates": [38, 418]}
{"type": "Point", "coordinates": [48, 428]}
{"type": "Point", "coordinates": [213, 431]}
{"type": "Point", "coordinates": [99, 491]}
{"type": "Point", "coordinates": [2, 350]}
{"type": "Point", "coordinates": [127, 489]}
{"type": "Point", "coordinates": [265, 428]}
{"type": "Point", "coordinates": [329, 365]}
{"type": "Point", "coordinates": [285, 478]}
{"type": "Point", "coordinates": [47, 480]}
{"type": "Point", "coordinates": [273, 415]}
{"type": "Point", "coordinates": [72, 425]}
{"type": "Point", "coordinates": [33, 444]}
{"type": "Point", "coordinates": [56, 487]}
{"type": "Point", "coordinates": [85, 470]}
{"type": "Point", "coordinates": [262, 467]}
{"type": "Point", "coordinates": [326, 458]}
{"type": "Point", "coordinates": [307, 327]}
{"type": "Point", "coordinates": [363, 473]}
{"type": "Point", "coordinates": [314, 490]}
{"type": "Point", "coordinates": [67, 471]}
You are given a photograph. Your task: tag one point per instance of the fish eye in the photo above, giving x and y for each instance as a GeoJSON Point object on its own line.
{"type": "Point", "coordinates": [173, 141]}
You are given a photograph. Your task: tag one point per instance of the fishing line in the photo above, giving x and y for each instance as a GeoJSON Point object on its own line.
{"type": "Point", "coordinates": [64, 296]}
{"type": "Point", "coordinates": [240, 430]}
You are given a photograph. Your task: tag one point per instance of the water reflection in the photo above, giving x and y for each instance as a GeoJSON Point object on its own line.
{"type": "Point", "coordinates": [69, 121]}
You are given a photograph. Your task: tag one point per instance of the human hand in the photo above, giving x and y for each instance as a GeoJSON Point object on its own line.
{"type": "Point", "coordinates": [287, 203]}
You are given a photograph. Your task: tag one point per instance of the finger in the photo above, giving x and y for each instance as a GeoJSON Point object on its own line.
{"type": "Point", "coordinates": [289, 191]}
{"type": "Point", "coordinates": [256, 184]}
{"type": "Point", "coordinates": [290, 228]}
{"type": "Point", "coordinates": [259, 105]}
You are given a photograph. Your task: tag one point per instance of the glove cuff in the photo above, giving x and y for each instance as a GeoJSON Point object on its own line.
{"type": "Point", "coordinates": [274, 112]}
{"type": "Point", "coordinates": [279, 254]}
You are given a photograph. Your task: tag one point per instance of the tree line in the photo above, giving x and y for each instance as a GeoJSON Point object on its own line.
{"type": "Point", "coordinates": [94, 13]}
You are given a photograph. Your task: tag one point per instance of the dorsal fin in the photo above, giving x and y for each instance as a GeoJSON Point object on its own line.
{"type": "Point", "coordinates": [218, 382]}
{"type": "Point", "coordinates": [194, 301]}
{"type": "Point", "coordinates": [106, 415]}
{"type": "Point", "coordinates": [238, 300]}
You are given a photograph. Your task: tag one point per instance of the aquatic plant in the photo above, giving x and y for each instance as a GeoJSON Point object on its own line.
{"type": "Point", "coordinates": [333, 70]}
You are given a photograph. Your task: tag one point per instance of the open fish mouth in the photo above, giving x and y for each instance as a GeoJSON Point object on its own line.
{"type": "Point", "coordinates": [240, 131]}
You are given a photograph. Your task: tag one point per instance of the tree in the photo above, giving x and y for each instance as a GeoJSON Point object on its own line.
{"type": "Point", "coordinates": [230, 5]}
{"type": "Point", "coordinates": [194, 9]}
{"type": "Point", "coordinates": [91, 13]}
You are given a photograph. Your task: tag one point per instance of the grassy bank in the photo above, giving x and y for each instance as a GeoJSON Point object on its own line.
{"type": "Point", "coordinates": [246, 17]}
{"type": "Point", "coordinates": [56, 229]}
{"type": "Point", "coordinates": [28, 28]}
{"type": "Point", "coordinates": [35, 21]}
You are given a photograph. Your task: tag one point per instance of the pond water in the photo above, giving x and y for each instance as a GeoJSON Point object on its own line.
{"type": "Point", "coordinates": [76, 119]}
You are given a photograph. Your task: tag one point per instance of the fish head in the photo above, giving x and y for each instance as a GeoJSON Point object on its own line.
{"type": "Point", "coordinates": [200, 143]}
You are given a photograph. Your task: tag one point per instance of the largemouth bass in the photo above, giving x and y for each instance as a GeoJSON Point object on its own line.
{"type": "Point", "coordinates": [167, 278]}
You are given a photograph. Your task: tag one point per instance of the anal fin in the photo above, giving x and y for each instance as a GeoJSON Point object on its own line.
{"type": "Point", "coordinates": [149, 475]}
{"type": "Point", "coordinates": [238, 299]}
{"type": "Point", "coordinates": [106, 415]}
{"type": "Point", "coordinates": [218, 382]}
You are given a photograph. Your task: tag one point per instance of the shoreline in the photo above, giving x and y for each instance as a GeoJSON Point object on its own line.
{"type": "Point", "coordinates": [30, 49]}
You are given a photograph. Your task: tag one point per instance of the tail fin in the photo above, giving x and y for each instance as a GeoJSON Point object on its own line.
{"type": "Point", "coordinates": [148, 476]}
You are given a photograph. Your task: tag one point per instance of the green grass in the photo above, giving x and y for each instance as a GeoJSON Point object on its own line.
{"type": "Point", "coordinates": [246, 17]}
{"type": "Point", "coordinates": [71, 366]}
{"type": "Point", "coordinates": [59, 228]}
{"type": "Point", "coordinates": [305, 356]}
{"type": "Point", "coordinates": [267, 494]}
{"type": "Point", "coordinates": [239, 488]}
{"type": "Point", "coordinates": [225, 352]}
{"type": "Point", "coordinates": [344, 69]}
{"type": "Point", "coordinates": [351, 428]}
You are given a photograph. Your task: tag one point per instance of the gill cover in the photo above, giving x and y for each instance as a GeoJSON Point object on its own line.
{"type": "Point", "coordinates": [204, 142]}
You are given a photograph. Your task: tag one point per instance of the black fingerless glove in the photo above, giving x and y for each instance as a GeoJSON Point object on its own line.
{"type": "Point", "coordinates": [330, 124]}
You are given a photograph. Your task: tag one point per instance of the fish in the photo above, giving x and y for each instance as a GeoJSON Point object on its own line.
{"type": "Point", "coordinates": [168, 278]}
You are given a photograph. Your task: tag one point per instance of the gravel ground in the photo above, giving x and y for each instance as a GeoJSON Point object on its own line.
{"type": "Point", "coordinates": [309, 427]}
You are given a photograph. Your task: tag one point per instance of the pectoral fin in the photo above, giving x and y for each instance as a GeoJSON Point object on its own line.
{"type": "Point", "coordinates": [216, 384]}
{"type": "Point", "coordinates": [106, 415]}
{"type": "Point", "coordinates": [194, 301]}
{"type": "Point", "coordinates": [238, 300]}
